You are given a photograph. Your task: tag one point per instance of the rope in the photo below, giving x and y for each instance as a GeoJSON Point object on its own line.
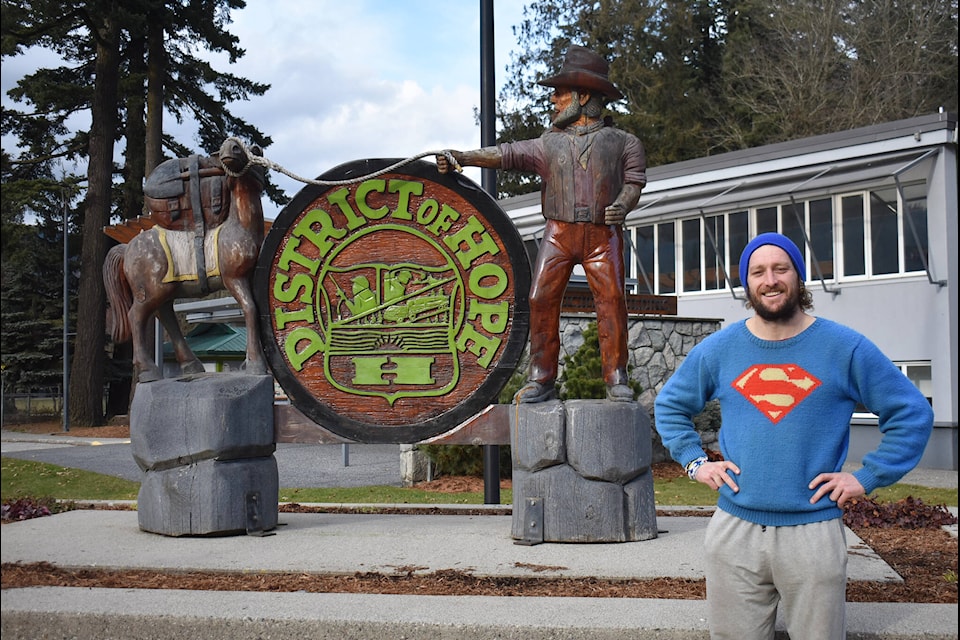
{"type": "Point", "coordinates": [270, 164]}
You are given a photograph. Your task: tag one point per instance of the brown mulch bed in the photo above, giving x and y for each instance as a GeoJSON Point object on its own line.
{"type": "Point", "coordinates": [56, 429]}
{"type": "Point", "coordinates": [925, 558]}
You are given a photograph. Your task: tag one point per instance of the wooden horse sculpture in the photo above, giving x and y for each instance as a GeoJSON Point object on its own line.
{"type": "Point", "coordinates": [143, 277]}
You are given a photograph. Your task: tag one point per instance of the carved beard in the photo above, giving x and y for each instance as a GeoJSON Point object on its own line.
{"type": "Point", "coordinates": [569, 115]}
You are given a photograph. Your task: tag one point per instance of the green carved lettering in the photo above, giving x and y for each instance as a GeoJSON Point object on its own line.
{"type": "Point", "coordinates": [413, 370]}
{"type": "Point", "coordinates": [383, 370]}
{"type": "Point", "coordinates": [363, 189]}
{"type": "Point", "coordinates": [479, 276]}
{"type": "Point", "coordinates": [404, 189]}
{"type": "Point", "coordinates": [428, 211]}
{"type": "Point", "coordinates": [484, 347]}
{"type": "Point", "coordinates": [303, 315]}
{"type": "Point", "coordinates": [465, 237]}
{"type": "Point", "coordinates": [319, 237]}
{"type": "Point", "coordinates": [493, 317]}
{"type": "Point", "coordinates": [314, 343]}
{"type": "Point", "coordinates": [339, 198]}
{"type": "Point", "coordinates": [369, 370]}
{"type": "Point", "coordinates": [443, 221]}
{"type": "Point", "coordinates": [290, 254]}
{"type": "Point", "coordinates": [300, 282]}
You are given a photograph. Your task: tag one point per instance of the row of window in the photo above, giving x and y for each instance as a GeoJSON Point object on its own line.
{"type": "Point", "coordinates": [845, 236]}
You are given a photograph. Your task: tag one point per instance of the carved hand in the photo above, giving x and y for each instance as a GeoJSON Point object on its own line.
{"type": "Point", "coordinates": [614, 214]}
{"type": "Point", "coordinates": [450, 159]}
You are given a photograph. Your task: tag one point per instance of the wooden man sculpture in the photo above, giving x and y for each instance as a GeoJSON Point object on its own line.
{"type": "Point", "coordinates": [592, 175]}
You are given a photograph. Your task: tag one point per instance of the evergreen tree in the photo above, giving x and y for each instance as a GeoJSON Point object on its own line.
{"type": "Point", "coordinates": [664, 57]}
{"type": "Point", "coordinates": [582, 376]}
{"type": "Point", "coordinates": [31, 279]}
{"type": "Point", "coordinates": [703, 77]}
{"type": "Point", "coordinates": [100, 42]}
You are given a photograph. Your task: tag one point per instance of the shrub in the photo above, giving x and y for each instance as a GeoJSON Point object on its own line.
{"type": "Point", "coordinates": [582, 372]}
{"type": "Point", "coordinates": [27, 508]}
{"type": "Point", "coordinates": [464, 459]}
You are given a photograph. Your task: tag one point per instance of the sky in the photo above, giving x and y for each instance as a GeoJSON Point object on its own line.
{"type": "Point", "coordinates": [352, 79]}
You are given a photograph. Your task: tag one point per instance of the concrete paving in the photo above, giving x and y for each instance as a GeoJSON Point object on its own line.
{"type": "Point", "coordinates": [388, 544]}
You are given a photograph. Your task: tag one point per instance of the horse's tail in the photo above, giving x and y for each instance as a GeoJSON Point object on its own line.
{"type": "Point", "coordinates": [118, 293]}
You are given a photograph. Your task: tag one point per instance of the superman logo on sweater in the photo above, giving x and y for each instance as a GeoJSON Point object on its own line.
{"type": "Point", "coordinates": [775, 389]}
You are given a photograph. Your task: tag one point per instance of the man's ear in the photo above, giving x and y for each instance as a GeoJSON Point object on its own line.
{"type": "Point", "coordinates": [584, 97]}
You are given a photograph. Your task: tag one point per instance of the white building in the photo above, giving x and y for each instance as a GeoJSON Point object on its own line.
{"type": "Point", "coordinates": [875, 212]}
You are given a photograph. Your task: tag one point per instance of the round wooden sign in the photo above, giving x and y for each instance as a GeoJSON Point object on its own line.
{"type": "Point", "coordinates": [394, 308]}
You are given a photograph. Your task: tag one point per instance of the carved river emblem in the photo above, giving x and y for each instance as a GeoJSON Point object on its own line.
{"type": "Point", "coordinates": [392, 308]}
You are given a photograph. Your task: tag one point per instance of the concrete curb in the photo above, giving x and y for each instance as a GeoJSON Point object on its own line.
{"type": "Point", "coordinates": [151, 615]}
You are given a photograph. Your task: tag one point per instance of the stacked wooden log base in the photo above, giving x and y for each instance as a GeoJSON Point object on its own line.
{"type": "Point", "coordinates": [205, 444]}
{"type": "Point", "coordinates": [582, 472]}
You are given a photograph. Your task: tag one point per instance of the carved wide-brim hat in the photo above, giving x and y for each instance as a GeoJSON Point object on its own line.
{"type": "Point", "coordinates": [585, 69]}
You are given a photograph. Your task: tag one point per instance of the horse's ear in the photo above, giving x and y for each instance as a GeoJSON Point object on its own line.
{"type": "Point", "coordinates": [256, 150]}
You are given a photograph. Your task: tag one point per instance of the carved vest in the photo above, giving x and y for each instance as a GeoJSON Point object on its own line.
{"type": "Point", "coordinates": [572, 193]}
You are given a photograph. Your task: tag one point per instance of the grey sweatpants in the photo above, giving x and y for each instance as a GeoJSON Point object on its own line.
{"type": "Point", "coordinates": [750, 569]}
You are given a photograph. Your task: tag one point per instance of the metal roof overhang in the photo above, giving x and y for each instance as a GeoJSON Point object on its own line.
{"type": "Point", "coordinates": [727, 195]}
{"type": "Point", "coordinates": [778, 187]}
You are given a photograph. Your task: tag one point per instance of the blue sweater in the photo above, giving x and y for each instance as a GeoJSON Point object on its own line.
{"type": "Point", "coordinates": [786, 408]}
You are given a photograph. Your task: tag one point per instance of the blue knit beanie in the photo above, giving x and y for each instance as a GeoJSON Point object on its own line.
{"type": "Point", "coordinates": [777, 240]}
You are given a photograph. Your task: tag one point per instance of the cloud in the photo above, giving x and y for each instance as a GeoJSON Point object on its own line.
{"type": "Point", "coordinates": [352, 79]}
{"type": "Point", "coordinates": [374, 79]}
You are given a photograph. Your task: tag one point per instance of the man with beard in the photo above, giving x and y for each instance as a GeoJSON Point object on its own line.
{"type": "Point", "coordinates": [592, 175]}
{"type": "Point", "coordinates": [788, 383]}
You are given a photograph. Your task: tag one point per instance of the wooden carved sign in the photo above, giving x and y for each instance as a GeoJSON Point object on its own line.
{"type": "Point", "coordinates": [393, 308]}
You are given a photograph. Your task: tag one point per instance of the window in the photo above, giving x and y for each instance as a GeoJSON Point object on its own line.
{"type": "Point", "coordinates": [714, 253]}
{"type": "Point", "coordinates": [739, 238]}
{"type": "Point", "coordinates": [915, 245]}
{"type": "Point", "coordinates": [794, 222]}
{"type": "Point", "coordinates": [873, 233]}
{"type": "Point", "coordinates": [853, 228]}
{"type": "Point", "coordinates": [691, 254]}
{"type": "Point", "coordinates": [920, 374]}
{"type": "Point", "coordinates": [645, 254]}
{"type": "Point", "coordinates": [884, 253]}
{"type": "Point", "coordinates": [766, 219]}
{"type": "Point", "coordinates": [821, 238]}
{"type": "Point", "coordinates": [667, 258]}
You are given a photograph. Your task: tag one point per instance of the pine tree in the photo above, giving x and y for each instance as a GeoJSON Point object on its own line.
{"type": "Point", "coordinates": [102, 44]}
{"type": "Point", "coordinates": [582, 376]}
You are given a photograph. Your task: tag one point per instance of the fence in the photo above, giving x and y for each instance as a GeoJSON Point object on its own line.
{"type": "Point", "coordinates": [34, 406]}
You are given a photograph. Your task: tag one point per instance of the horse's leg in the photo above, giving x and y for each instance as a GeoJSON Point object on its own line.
{"type": "Point", "coordinates": [255, 363]}
{"type": "Point", "coordinates": [144, 367]}
{"type": "Point", "coordinates": [189, 363]}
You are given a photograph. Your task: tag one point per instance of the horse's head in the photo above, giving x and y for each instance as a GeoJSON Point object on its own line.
{"type": "Point", "coordinates": [236, 158]}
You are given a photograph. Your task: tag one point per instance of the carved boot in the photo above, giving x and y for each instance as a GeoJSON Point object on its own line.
{"type": "Point", "coordinates": [535, 391]}
{"type": "Point", "coordinates": [617, 389]}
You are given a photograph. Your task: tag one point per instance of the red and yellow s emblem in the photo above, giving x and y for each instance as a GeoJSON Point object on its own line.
{"type": "Point", "coordinates": [775, 389]}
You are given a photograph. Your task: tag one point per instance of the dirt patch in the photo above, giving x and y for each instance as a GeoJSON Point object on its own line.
{"type": "Point", "coordinates": [926, 559]}
{"type": "Point", "coordinates": [56, 429]}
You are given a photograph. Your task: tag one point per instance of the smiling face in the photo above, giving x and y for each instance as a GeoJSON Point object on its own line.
{"type": "Point", "coordinates": [773, 284]}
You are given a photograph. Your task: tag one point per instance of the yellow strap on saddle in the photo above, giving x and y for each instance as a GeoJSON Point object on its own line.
{"type": "Point", "coordinates": [181, 261]}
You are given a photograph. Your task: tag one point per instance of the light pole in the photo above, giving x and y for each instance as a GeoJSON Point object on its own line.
{"type": "Point", "coordinates": [66, 316]}
{"type": "Point", "coordinates": [488, 135]}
